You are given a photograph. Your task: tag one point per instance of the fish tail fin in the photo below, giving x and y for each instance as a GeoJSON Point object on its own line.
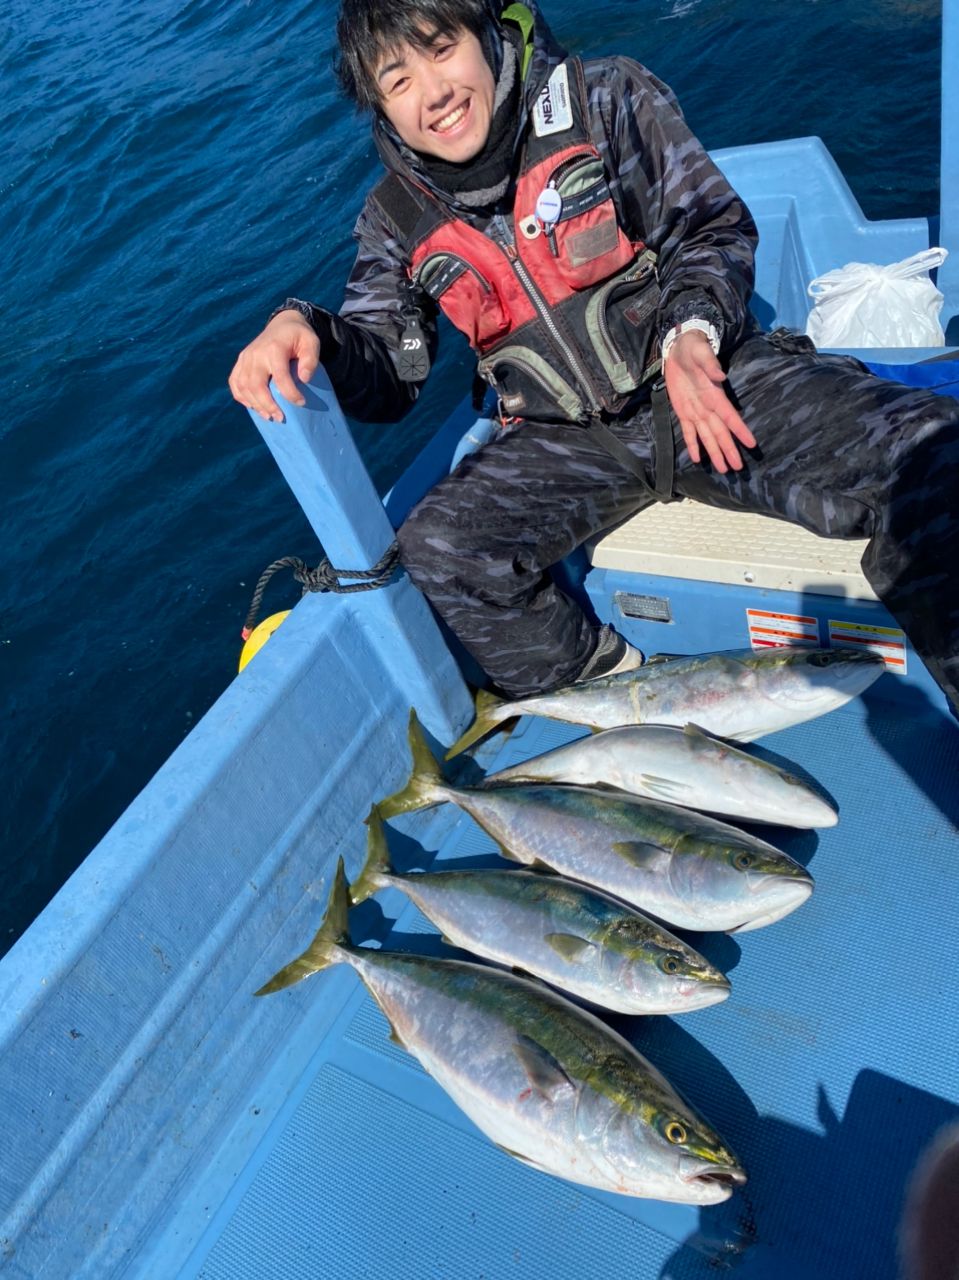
{"type": "Point", "coordinates": [489, 713]}
{"type": "Point", "coordinates": [319, 954]}
{"type": "Point", "coordinates": [377, 863]}
{"type": "Point", "coordinates": [426, 783]}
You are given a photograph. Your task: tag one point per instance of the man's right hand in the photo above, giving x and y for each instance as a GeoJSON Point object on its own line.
{"type": "Point", "coordinates": [707, 416]}
{"type": "Point", "coordinates": [287, 337]}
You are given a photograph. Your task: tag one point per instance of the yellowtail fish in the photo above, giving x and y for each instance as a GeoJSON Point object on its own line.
{"type": "Point", "coordinates": [682, 867]}
{"type": "Point", "coordinates": [547, 1082]}
{"type": "Point", "coordinates": [740, 694]}
{"type": "Point", "coordinates": [681, 766]}
{"type": "Point", "coordinates": [572, 936]}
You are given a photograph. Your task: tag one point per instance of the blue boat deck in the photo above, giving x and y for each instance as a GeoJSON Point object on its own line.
{"type": "Point", "coordinates": [828, 1070]}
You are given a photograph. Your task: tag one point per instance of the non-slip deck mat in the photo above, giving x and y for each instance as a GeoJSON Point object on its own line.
{"type": "Point", "coordinates": [829, 1070]}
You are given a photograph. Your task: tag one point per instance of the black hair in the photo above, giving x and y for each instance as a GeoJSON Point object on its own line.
{"type": "Point", "coordinates": [366, 29]}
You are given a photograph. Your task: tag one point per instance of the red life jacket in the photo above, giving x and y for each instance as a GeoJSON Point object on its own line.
{"type": "Point", "coordinates": [562, 315]}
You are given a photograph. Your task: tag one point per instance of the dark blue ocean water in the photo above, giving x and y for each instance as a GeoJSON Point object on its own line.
{"type": "Point", "coordinates": [169, 171]}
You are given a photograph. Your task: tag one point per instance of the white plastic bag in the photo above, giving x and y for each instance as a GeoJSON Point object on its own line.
{"type": "Point", "coordinates": [863, 305]}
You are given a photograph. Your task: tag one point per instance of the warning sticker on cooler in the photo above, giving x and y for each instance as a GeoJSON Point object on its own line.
{"type": "Point", "coordinates": [768, 630]}
{"type": "Point", "coordinates": [888, 642]}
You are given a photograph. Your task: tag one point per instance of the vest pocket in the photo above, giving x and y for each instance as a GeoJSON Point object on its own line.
{"type": "Point", "coordinates": [528, 386]}
{"type": "Point", "coordinates": [466, 296]}
{"type": "Point", "coordinates": [587, 241]}
{"type": "Point", "coordinates": [621, 324]}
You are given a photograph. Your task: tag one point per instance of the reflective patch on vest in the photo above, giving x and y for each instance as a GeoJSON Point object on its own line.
{"type": "Point", "coordinates": [584, 246]}
{"type": "Point", "coordinates": [514, 403]}
{"type": "Point", "coordinates": [553, 112]}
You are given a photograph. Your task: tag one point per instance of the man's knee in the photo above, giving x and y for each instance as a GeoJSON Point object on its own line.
{"type": "Point", "coordinates": [419, 537]}
{"type": "Point", "coordinates": [434, 544]}
{"type": "Point", "coordinates": [441, 553]}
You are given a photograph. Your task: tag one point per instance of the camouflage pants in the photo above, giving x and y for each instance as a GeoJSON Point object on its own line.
{"type": "Point", "coordinates": [840, 451]}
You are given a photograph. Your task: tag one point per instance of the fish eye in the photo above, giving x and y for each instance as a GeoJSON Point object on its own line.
{"type": "Point", "coordinates": [675, 1132]}
{"type": "Point", "coordinates": [742, 860]}
{"type": "Point", "coordinates": [819, 659]}
{"type": "Point", "coordinates": [669, 963]}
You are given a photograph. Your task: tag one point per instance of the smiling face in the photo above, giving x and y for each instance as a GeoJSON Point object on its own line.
{"type": "Point", "coordinates": [439, 98]}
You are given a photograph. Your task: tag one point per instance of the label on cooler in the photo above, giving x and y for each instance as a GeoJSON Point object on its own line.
{"type": "Point", "coordinates": [771, 630]}
{"type": "Point", "coordinates": [888, 642]}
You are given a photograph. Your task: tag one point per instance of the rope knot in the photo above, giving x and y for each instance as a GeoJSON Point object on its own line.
{"type": "Point", "coordinates": [325, 577]}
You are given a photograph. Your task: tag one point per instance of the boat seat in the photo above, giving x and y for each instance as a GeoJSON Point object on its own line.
{"type": "Point", "coordinates": [692, 541]}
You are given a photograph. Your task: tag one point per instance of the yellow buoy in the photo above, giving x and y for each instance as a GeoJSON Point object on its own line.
{"type": "Point", "coordinates": [259, 636]}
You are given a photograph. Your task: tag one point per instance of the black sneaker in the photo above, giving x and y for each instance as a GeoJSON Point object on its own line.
{"type": "Point", "coordinates": [611, 655]}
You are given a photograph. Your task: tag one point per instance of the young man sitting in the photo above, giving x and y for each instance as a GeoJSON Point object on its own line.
{"type": "Point", "coordinates": [562, 215]}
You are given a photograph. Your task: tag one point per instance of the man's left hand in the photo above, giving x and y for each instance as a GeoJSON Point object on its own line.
{"type": "Point", "coordinates": [694, 379]}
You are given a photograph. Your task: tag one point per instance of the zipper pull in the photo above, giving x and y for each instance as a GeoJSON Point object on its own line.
{"type": "Point", "coordinates": [551, 241]}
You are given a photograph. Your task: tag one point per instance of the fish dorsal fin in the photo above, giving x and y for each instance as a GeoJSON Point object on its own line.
{"type": "Point", "coordinates": [544, 1073]}
{"type": "Point", "coordinates": [644, 856]}
{"type": "Point", "coordinates": [569, 946]}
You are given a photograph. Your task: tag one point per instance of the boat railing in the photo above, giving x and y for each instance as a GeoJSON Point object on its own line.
{"type": "Point", "coordinates": [315, 451]}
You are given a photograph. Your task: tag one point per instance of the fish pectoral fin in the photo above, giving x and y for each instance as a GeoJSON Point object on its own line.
{"type": "Point", "coordinates": [656, 785]}
{"type": "Point", "coordinates": [656, 658]}
{"type": "Point", "coordinates": [645, 856]}
{"type": "Point", "coordinates": [544, 1073]}
{"type": "Point", "coordinates": [569, 946]}
{"type": "Point", "coordinates": [396, 1038]}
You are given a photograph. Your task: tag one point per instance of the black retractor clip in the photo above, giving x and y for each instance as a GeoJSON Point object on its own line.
{"type": "Point", "coordinates": [413, 357]}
